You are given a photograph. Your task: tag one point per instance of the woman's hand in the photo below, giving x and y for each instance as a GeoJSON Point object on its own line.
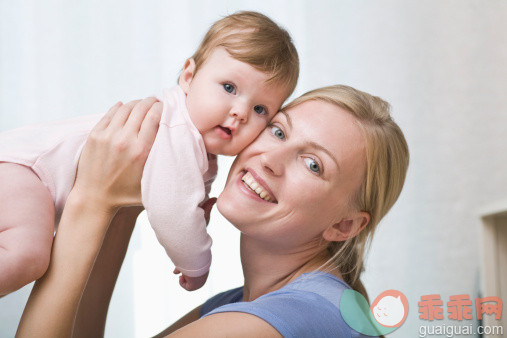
{"type": "Point", "coordinates": [111, 164]}
{"type": "Point", "coordinates": [109, 176]}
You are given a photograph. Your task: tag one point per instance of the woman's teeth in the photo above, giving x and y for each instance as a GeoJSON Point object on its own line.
{"type": "Point", "coordinates": [251, 183]}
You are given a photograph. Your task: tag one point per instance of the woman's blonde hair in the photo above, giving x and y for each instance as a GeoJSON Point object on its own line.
{"type": "Point", "coordinates": [255, 39]}
{"type": "Point", "coordinates": [387, 160]}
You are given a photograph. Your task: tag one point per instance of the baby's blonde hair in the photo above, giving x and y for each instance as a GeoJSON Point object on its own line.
{"type": "Point", "coordinates": [387, 159]}
{"type": "Point", "coordinates": [255, 39]}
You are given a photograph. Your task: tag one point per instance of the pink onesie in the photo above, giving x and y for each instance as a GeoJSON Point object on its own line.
{"type": "Point", "coordinates": [176, 179]}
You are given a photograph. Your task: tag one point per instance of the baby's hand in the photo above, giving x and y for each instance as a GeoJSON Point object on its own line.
{"type": "Point", "coordinates": [191, 283]}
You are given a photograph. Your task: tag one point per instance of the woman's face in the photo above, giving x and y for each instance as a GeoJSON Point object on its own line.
{"type": "Point", "coordinates": [305, 167]}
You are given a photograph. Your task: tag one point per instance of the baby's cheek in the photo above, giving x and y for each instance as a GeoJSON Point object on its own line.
{"type": "Point", "coordinates": [239, 143]}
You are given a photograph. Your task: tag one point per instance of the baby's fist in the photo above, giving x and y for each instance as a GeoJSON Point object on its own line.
{"type": "Point", "coordinates": [192, 283]}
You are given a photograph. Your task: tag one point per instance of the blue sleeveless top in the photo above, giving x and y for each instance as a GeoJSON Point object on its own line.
{"type": "Point", "coordinates": [309, 306]}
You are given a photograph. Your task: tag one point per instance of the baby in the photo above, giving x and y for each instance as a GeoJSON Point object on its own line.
{"type": "Point", "coordinates": [228, 91]}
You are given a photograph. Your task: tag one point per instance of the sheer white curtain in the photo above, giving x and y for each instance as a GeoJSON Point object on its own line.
{"type": "Point", "coordinates": [441, 64]}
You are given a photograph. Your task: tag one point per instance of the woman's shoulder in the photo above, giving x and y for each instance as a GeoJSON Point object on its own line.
{"type": "Point", "coordinates": [227, 297]}
{"type": "Point", "coordinates": [308, 306]}
{"type": "Point", "coordinates": [322, 284]}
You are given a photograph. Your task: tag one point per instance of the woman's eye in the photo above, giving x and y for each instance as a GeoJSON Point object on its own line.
{"type": "Point", "coordinates": [277, 132]}
{"type": "Point", "coordinates": [229, 88]}
{"type": "Point", "coordinates": [260, 110]}
{"type": "Point", "coordinates": [312, 165]}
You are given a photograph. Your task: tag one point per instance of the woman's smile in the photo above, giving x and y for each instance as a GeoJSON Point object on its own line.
{"type": "Point", "coordinates": [257, 185]}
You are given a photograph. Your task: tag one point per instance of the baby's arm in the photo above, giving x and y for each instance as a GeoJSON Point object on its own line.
{"type": "Point", "coordinates": [194, 283]}
{"type": "Point", "coordinates": [172, 188]}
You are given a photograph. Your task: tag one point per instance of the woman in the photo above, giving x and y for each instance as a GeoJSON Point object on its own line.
{"type": "Point", "coordinates": [332, 162]}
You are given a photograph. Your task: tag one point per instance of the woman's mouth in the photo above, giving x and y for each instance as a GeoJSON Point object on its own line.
{"type": "Point", "coordinates": [253, 185]}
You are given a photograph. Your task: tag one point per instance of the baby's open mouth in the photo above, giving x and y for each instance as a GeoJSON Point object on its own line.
{"type": "Point", "coordinates": [226, 130]}
{"type": "Point", "coordinates": [254, 186]}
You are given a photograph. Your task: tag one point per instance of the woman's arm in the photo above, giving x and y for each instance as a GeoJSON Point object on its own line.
{"type": "Point", "coordinates": [92, 312]}
{"type": "Point", "coordinates": [109, 176]}
{"type": "Point", "coordinates": [54, 299]}
{"type": "Point", "coordinates": [91, 316]}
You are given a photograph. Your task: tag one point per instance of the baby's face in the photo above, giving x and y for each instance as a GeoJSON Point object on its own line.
{"type": "Point", "coordinates": [229, 101]}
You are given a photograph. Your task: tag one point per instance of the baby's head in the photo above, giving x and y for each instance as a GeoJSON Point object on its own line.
{"type": "Point", "coordinates": [237, 80]}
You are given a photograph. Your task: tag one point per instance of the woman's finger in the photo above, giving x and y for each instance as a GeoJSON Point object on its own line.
{"type": "Point", "coordinates": [138, 114]}
{"type": "Point", "coordinates": [106, 119]}
{"type": "Point", "coordinates": [122, 115]}
{"type": "Point", "coordinates": [150, 124]}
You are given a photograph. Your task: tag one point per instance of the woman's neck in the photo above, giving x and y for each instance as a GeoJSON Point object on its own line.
{"type": "Point", "coordinates": [266, 270]}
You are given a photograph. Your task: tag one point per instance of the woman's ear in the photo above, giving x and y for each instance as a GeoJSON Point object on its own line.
{"type": "Point", "coordinates": [187, 75]}
{"type": "Point", "coordinates": [347, 228]}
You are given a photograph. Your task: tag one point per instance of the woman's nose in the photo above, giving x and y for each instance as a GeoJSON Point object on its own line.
{"type": "Point", "coordinates": [273, 162]}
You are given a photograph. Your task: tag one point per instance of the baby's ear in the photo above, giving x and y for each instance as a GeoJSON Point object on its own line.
{"type": "Point", "coordinates": [347, 228]}
{"type": "Point", "coordinates": [187, 75]}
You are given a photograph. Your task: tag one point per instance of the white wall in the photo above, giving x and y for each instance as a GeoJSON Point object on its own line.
{"type": "Point", "coordinates": [441, 64]}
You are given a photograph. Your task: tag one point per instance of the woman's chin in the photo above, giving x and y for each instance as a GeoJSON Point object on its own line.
{"type": "Point", "coordinates": [219, 203]}
{"type": "Point", "coordinates": [230, 209]}
{"type": "Point", "coordinates": [224, 207]}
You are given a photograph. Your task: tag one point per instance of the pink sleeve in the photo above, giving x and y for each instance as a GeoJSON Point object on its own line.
{"type": "Point", "coordinates": [172, 189]}
{"type": "Point", "coordinates": [209, 176]}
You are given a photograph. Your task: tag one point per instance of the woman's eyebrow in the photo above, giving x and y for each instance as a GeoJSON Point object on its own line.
{"type": "Point", "coordinates": [287, 117]}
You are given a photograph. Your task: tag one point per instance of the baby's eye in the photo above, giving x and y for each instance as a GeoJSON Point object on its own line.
{"type": "Point", "coordinates": [312, 165]}
{"type": "Point", "coordinates": [260, 110]}
{"type": "Point", "coordinates": [277, 132]}
{"type": "Point", "coordinates": [229, 88]}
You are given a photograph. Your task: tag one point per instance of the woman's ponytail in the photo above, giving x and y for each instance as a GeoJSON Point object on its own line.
{"type": "Point", "coordinates": [347, 257]}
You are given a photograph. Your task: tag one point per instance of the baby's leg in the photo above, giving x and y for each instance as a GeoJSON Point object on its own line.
{"type": "Point", "coordinates": [26, 227]}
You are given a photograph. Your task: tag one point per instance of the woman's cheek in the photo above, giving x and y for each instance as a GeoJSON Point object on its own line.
{"type": "Point", "coordinates": [304, 189]}
{"type": "Point", "coordinates": [265, 142]}
{"type": "Point", "coordinates": [254, 148]}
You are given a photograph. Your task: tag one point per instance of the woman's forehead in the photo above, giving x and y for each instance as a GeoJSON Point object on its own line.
{"type": "Point", "coordinates": [329, 126]}
{"type": "Point", "coordinates": [319, 118]}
